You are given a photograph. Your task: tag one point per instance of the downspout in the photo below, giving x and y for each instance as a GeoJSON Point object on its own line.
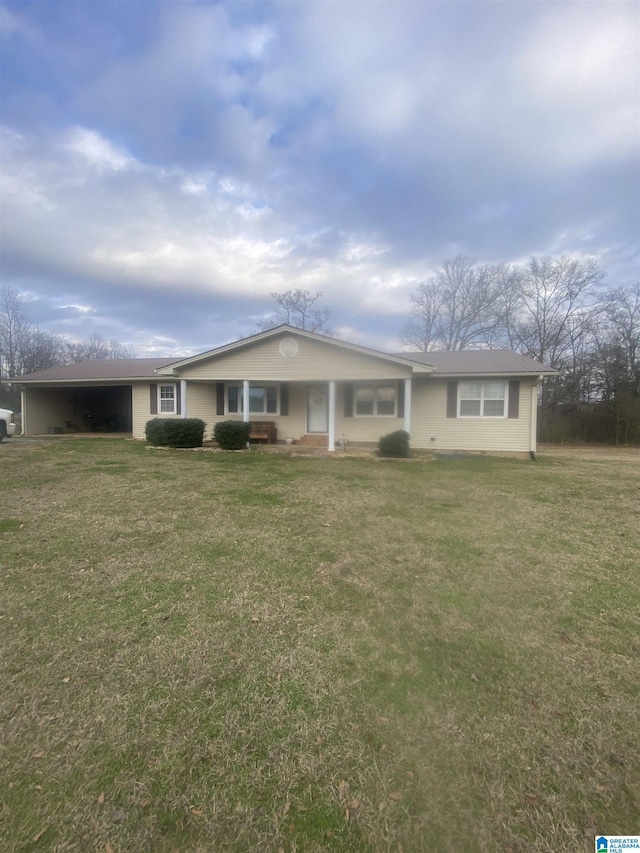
{"type": "Point", "coordinates": [534, 420]}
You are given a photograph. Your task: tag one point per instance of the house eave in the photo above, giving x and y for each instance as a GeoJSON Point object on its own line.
{"type": "Point", "coordinates": [117, 380]}
{"type": "Point", "coordinates": [517, 374]}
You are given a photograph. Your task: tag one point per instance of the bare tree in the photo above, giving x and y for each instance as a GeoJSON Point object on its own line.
{"type": "Point", "coordinates": [298, 308]}
{"type": "Point", "coordinates": [97, 347]}
{"type": "Point", "coordinates": [553, 294]}
{"type": "Point", "coordinates": [455, 309]}
{"type": "Point", "coordinates": [24, 348]}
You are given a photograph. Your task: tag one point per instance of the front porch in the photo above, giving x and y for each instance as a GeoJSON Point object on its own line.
{"type": "Point", "coordinates": [304, 413]}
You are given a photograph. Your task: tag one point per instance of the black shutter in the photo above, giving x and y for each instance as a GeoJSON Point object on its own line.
{"type": "Point", "coordinates": [178, 399]}
{"type": "Point", "coordinates": [401, 399]}
{"type": "Point", "coordinates": [284, 398]}
{"type": "Point", "coordinates": [348, 399]}
{"type": "Point", "coordinates": [153, 398]}
{"type": "Point", "coordinates": [514, 398]}
{"type": "Point", "coordinates": [219, 398]}
{"type": "Point", "coordinates": [452, 399]}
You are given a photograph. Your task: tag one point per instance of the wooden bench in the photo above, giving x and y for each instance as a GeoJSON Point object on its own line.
{"type": "Point", "coordinates": [263, 431]}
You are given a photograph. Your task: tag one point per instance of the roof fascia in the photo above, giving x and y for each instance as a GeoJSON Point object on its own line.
{"type": "Point", "coordinates": [495, 375]}
{"type": "Point", "coordinates": [117, 380]}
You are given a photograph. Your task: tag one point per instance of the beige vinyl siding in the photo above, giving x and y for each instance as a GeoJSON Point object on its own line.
{"type": "Point", "coordinates": [47, 407]}
{"type": "Point", "coordinates": [200, 401]}
{"type": "Point", "coordinates": [142, 409]}
{"type": "Point", "coordinates": [315, 361]}
{"type": "Point", "coordinates": [429, 419]}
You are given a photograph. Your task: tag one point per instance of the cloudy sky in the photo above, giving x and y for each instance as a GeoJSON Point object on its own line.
{"type": "Point", "coordinates": [167, 165]}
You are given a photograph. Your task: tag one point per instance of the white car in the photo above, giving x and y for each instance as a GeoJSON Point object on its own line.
{"type": "Point", "coordinates": [7, 423]}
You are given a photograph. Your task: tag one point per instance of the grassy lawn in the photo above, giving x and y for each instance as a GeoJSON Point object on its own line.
{"type": "Point", "coordinates": [245, 651]}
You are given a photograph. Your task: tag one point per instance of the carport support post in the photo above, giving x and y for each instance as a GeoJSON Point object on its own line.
{"type": "Point", "coordinates": [183, 397]}
{"type": "Point", "coordinates": [23, 410]}
{"type": "Point", "coordinates": [332, 415]}
{"type": "Point", "coordinates": [407, 405]}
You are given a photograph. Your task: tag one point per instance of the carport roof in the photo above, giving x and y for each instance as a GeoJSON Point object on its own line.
{"type": "Point", "coordinates": [116, 368]}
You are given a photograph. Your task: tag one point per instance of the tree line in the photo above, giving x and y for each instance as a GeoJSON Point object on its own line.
{"type": "Point", "coordinates": [556, 310]}
{"type": "Point", "coordinates": [25, 348]}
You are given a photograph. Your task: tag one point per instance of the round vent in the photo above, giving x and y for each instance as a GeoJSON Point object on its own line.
{"type": "Point", "coordinates": [288, 347]}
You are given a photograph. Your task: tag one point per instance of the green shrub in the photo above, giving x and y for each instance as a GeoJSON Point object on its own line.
{"type": "Point", "coordinates": [395, 444]}
{"type": "Point", "coordinates": [154, 431]}
{"type": "Point", "coordinates": [175, 432]}
{"type": "Point", "coordinates": [232, 435]}
{"type": "Point", "coordinates": [184, 432]}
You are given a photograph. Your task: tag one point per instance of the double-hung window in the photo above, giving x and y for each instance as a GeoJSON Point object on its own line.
{"type": "Point", "coordinates": [263, 399]}
{"type": "Point", "coordinates": [482, 399]}
{"type": "Point", "coordinates": [167, 399]}
{"type": "Point", "coordinates": [375, 400]}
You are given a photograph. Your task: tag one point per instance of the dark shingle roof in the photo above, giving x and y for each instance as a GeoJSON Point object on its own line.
{"type": "Point", "coordinates": [462, 363]}
{"type": "Point", "coordinates": [116, 368]}
{"type": "Point", "coordinates": [491, 361]}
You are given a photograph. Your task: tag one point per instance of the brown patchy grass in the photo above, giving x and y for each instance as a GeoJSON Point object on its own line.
{"type": "Point", "coordinates": [206, 652]}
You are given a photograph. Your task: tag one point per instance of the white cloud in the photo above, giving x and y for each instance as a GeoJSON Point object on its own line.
{"type": "Point", "coordinates": [98, 151]}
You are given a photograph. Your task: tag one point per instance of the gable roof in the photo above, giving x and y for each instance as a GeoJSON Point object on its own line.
{"type": "Point", "coordinates": [398, 358]}
{"type": "Point", "coordinates": [99, 368]}
{"type": "Point", "coordinates": [490, 362]}
{"type": "Point", "coordinates": [460, 363]}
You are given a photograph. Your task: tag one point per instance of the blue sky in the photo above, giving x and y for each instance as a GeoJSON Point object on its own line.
{"type": "Point", "coordinates": [167, 165]}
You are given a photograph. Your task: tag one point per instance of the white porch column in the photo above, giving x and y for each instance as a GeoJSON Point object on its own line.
{"type": "Point", "coordinates": [332, 415]}
{"type": "Point", "coordinates": [407, 405]}
{"type": "Point", "coordinates": [183, 397]}
{"type": "Point", "coordinates": [245, 400]}
{"type": "Point", "coordinates": [23, 407]}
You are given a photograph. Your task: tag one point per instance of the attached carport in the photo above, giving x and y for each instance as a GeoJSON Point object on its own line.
{"type": "Point", "coordinates": [85, 408]}
{"type": "Point", "coordinates": [92, 396]}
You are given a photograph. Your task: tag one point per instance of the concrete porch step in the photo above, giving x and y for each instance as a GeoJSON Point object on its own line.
{"type": "Point", "coordinates": [313, 441]}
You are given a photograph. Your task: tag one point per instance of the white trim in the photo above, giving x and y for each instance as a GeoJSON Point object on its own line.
{"type": "Point", "coordinates": [264, 386]}
{"type": "Point", "coordinates": [332, 415]}
{"type": "Point", "coordinates": [482, 382]}
{"type": "Point", "coordinates": [407, 405]}
{"type": "Point", "coordinates": [183, 398]}
{"type": "Point", "coordinates": [23, 406]}
{"type": "Point", "coordinates": [381, 383]}
{"type": "Point", "coordinates": [162, 385]}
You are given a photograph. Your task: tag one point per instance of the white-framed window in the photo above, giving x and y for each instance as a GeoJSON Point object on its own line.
{"type": "Point", "coordinates": [263, 399]}
{"type": "Point", "coordinates": [376, 400]}
{"type": "Point", "coordinates": [167, 399]}
{"type": "Point", "coordinates": [482, 399]}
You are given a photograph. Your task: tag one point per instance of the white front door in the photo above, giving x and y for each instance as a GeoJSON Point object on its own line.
{"type": "Point", "coordinates": [318, 408]}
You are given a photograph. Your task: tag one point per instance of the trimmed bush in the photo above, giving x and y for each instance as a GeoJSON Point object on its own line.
{"type": "Point", "coordinates": [232, 435]}
{"type": "Point", "coordinates": [175, 432]}
{"type": "Point", "coordinates": [154, 431]}
{"type": "Point", "coordinates": [395, 445]}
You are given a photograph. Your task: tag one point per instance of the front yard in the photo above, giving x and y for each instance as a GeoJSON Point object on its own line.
{"type": "Point", "coordinates": [247, 651]}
